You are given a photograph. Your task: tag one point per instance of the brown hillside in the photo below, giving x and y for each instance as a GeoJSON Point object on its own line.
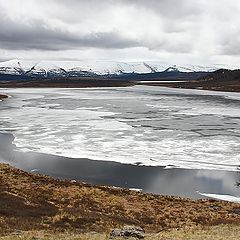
{"type": "Point", "coordinates": [220, 80]}
{"type": "Point", "coordinates": [35, 202]}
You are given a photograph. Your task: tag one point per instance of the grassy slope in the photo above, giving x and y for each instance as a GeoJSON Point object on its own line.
{"type": "Point", "coordinates": [220, 232]}
{"type": "Point", "coordinates": [32, 202]}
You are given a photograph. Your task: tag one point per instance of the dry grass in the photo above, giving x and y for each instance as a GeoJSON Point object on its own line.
{"type": "Point", "coordinates": [30, 202]}
{"type": "Point", "coordinates": [220, 232]}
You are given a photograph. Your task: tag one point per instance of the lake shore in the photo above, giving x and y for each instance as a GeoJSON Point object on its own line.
{"type": "Point", "coordinates": [91, 83]}
{"type": "Point", "coordinates": [37, 202]}
{"type": "Point", "coordinates": [148, 179]}
{"type": "Point", "coordinates": [66, 83]}
{"type": "Point", "coordinates": [197, 85]}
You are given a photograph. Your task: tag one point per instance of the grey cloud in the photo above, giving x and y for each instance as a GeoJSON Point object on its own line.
{"type": "Point", "coordinates": [157, 27]}
{"type": "Point", "coordinates": [170, 8]}
{"type": "Point", "coordinates": [167, 11]}
{"type": "Point", "coordinates": [173, 46]}
{"type": "Point", "coordinates": [38, 35]}
{"type": "Point", "coordinates": [230, 46]}
{"type": "Point", "coordinates": [43, 39]}
{"type": "Point", "coordinates": [228, 38]}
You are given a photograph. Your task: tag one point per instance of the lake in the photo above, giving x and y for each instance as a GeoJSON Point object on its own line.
{"type": "Point", "coordinates": [164, 135]}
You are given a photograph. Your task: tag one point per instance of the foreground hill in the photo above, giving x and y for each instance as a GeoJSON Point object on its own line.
{"type": "Point", "coordinates": [30, 202]}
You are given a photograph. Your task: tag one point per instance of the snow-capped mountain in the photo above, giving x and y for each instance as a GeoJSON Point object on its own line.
{"type": "Point", "coordinates": [74, 68]}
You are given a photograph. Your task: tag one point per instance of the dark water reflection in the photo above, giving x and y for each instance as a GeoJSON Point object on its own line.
{"type": "Point", "coordinates": [158, 180]}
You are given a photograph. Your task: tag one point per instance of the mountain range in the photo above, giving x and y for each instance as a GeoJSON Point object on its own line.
{"type": "Point", "coordinates": [25, 69]}
{"type": "Point", "coordinates": [24, 73]}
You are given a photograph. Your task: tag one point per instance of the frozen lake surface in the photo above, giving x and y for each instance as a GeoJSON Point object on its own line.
{"type": "Point", "coordinates": [155, 126]}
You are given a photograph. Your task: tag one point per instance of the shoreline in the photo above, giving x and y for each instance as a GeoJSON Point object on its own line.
{"type": "Point", "coordinates": [79, 86]}
{"type": "Point", "coordinates": [65, 83]}
{"type": "Point", "coordinates": [148, 179]}
{"type": "Point", "coordinates": [91, 83]}
{"type": "Point", "coordinates": [190, 85]}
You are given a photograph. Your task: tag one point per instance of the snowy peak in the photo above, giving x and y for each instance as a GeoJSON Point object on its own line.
{"type": "Point", "coordinates": [26, 67]}
{"type": "Point", "coordinates": [172, 69]}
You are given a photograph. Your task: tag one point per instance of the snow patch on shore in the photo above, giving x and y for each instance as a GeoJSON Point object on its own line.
{"type": "Point", "coordinates": [222, 197]}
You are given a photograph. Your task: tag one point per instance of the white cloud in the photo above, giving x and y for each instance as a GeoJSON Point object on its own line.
{"type": "Point", "coordinates": [168, 30]}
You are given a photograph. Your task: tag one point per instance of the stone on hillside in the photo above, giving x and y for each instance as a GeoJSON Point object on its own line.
{"type": "Point", "coordinates": [128, 231]}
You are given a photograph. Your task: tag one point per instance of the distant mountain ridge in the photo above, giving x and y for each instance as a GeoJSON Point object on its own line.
{"type": "Point", "coordinates": [220, 80]}
{"type": "Point", "coordinates": [44, 68]}
{"type": "Point", "coordinates": [26, 70]}
{"type": "Point", "coordinates": [16, 73]}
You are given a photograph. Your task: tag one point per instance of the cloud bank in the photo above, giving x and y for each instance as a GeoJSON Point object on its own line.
{"type": "Point", "coordinates": [167, 30]}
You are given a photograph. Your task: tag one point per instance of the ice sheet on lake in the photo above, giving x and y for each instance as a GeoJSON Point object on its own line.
{"type": "Point", "coordinates": [148, 125]}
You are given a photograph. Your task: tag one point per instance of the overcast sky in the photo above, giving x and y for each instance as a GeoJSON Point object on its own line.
{"type": "Point", "coordinates": [173, 31]}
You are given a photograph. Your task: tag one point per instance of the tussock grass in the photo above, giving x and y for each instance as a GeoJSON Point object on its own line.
{"type": "Point", "coordinates": [32, 202]}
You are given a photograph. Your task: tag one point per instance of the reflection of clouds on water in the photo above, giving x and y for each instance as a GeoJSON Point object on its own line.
{"type": "Point", "coordinates": [179, 182]}
{"type": "Point", "coordinates": [224, 178]}
{"type": "Point", "coordinates": [186, 183]}
{"type": "Point", "coordinates": [155, 126]}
